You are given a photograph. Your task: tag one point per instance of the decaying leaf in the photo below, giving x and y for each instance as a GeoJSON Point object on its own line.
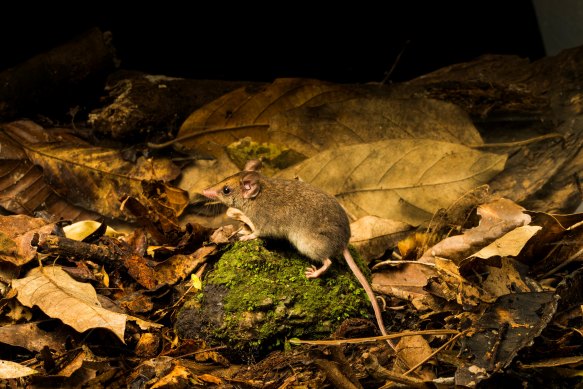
{"type": "Point", "coordinates": [373, 236]}
{"type": "Point", "coordinates": [16, 235]}
{"type": "Point", "coordinates": [404, 180]}
{"type": "Point", "coordinates": [505, 328]}
{"type": "Point", "coordinates": [96, 178]}
{"type": "Point", "coordinates": [61, 297]}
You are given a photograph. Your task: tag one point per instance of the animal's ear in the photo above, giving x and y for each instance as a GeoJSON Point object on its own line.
{"type": "Point", "coordinates": [250, 186]}
{"type": "Point", "coordinates": [253, 165]}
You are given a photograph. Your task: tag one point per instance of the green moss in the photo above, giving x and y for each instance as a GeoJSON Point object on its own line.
{"type": "Point", "coordinates": [274, 157]}
{"type": "Point", "coordinates": [269, 298]}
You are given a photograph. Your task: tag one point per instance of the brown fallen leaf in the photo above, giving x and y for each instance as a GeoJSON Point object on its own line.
{"type": "Point", "coordinates": [61, 297]}
{"type": "Point", "coordinates": [403, 180]}
{"type": "Point", "coordinates": [246, 111]}
{"type": "Point", "coordinates": [373, 236]}
{"type": "Point", "coordinates": [96, 178]}
{"type": "Point", "coordinates": [408, 282]}
{"type": "Point", "coordinates": [505, 279]}
{"type": "Point", "coordinates": [452, 286]}
{"type": "Point", "coordinates": [366, 119]}
{"type": "Point", "coordinates": [414, 350]}
{"type": "Point", "coordinates": [16, 235]}
{"type": "Point", "coordinates": [33, 337]}
{"type": "Point", "coordinates": [504, 329]}
{"type": "Point", "coordinates": [22, 187]}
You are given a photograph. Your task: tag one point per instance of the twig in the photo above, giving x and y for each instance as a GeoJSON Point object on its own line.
{"type": "Point", "coordinates": [434, 353]}
{"type": "Point", "coordinates": [338, 342]}
{"type": "Point", "coordinates": [205, 132]}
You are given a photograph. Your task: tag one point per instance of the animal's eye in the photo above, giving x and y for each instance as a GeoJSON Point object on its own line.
{"type": "Point", "coordinates": [226, 190]}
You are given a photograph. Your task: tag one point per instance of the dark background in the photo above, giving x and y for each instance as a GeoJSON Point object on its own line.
{"type": "Point", "coordinates": [356, 42]}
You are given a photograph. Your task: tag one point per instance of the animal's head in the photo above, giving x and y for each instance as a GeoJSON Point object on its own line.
{"type": "Point", "coordinates": [235, 190]}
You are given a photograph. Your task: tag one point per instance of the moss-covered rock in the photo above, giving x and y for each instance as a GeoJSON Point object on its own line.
{"type": "Point", "coordinates": [254, 299]}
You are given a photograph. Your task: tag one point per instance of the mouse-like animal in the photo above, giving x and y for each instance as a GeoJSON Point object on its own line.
{"type": "Point", "coordinates": [312, 220]}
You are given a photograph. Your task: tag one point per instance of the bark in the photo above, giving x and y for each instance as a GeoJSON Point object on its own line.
{"type": "Point", "coordinates": [149, 107]}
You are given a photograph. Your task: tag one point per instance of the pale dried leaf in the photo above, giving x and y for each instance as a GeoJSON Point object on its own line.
{"type": "Point", "coordinates": [309, 130]}
{"type": "Point", "coordinates": [497, 218]}
{"type": "Point", "coordinates": [510, 244]}
{"type": "Point", "coordinates": [404, 180]}
{"type": "Point", "coordinates": [11, 370]}
{"type": "Point", "coordinates": [373, 236]}
{"type": "Point", "coordinates": [61, 297]}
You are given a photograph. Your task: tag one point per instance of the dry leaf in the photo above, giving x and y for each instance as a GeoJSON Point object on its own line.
{"type": "Point", "coordinates": [504, 279]}
{"type": "Point", "coordinates": [16, 235]}
{"type": "Point", "coordinates": [309, 130]}
{"type": "Point", "coordinates": [11, 370]}
{"type": "Point", "coordinates": [96, 178]}
{"type": "Point", "coordinates": [508, 245]}
{"type": "Point", "coordinates": [407, 282]}
{"type": "Point", "coordinates": [61, 297]}
{"type": "Point", "coordinates": [497, 218]}
{"type": "Point", "coordinates": [22, 187]}
{"type": "Point", "coordinates": [247, 111]}
{"type": "Point", "coordinates": [452, 286]}
{"type": "Point", "coordinates": [414, 350]}
{"type": "Point", "coordinates": [33, 337]}
{"type": "Point", "coordinates": [373, 236]}
{"type": "Point", "coordinates": [504, 329]}
{"type": "Point", "coordinates": [404, 180]}
{"type": "Point", "coordinates": [202, 174]}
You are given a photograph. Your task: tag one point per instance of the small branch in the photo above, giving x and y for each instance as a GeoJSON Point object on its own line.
{"type": "Point", "coordinates": [206, 132]}
{"type": "Point", "coordinates": [338, 342]}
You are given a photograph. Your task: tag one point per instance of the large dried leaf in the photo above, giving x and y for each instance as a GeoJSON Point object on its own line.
{"type": "Point", "coordinates": [61, 297]}
{"type": "Point", "coordinates": [403, 180]}
{"type": "Point", "coordinates": [96, 178]}
{"type": "Point", "coordinates": [247, 111]}
{"type": "Point", "coordinates": [22, 187]}
{"type": "Point", "coordinates": [309, 130]}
